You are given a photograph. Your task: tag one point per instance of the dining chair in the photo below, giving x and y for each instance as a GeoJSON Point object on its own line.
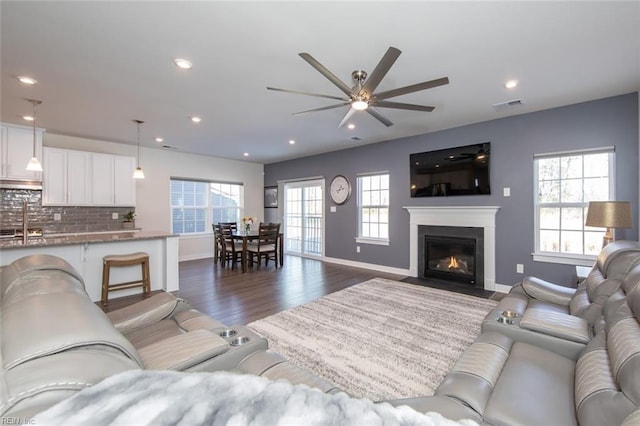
{"type": "Point", "coordinates": [232, 225]}
{"type": "Point", "coordinates": [217, 243]}
{"type": "Point", "coordinates": [230, 252]}
{"type": "Point", "coordinates": [266, 245]}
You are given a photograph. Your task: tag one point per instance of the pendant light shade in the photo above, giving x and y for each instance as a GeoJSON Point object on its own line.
{"type": "Point", "coordinates": [138, 173]}
{"type": "Point", "coordinates": [34, 164]}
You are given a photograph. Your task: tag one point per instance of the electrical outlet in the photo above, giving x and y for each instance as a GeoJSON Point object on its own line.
{"type": "Point", "coordinates": [357, 249]}
{"type": "Point", "coordinates": [520, 268]}
{"type": "Point", "coordinates": [506, 191]}
{"type": "Point", "coordinates": [57, 216]}
{"type": "Point", "coordinates": [114, 216]}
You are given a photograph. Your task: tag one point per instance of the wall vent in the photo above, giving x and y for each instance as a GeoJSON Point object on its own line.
{"type": "Point", "coordinates": [169, 147]}
{"type": "Point", "coordinates": [356, 138]}
{"type": "Point", "coordinates": [501, 106]}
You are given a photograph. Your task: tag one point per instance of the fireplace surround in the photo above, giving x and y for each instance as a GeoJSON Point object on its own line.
{"type": "Point", "coordinates": [464, 216]}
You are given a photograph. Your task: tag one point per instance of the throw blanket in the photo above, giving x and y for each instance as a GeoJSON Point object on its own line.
{"type": "Point", "coordinates": [172, 398]}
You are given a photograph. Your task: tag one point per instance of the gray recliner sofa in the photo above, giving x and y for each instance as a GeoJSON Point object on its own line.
{"type": "Point", "coordinates": [55, 342]}
{"type": "Point", "coordinates": [499, 380]}
{"type": "Point", "coordinates": [560, 318]}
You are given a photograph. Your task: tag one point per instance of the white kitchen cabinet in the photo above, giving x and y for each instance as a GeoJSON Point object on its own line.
{"type": "Point", "coordinates": [67, 178]}
{"type": "Point", "coordinates": [124, 184]}
{"type": "Point", "coordinates": [16, 149]}
{"type": "Point", "coordinates": [102, 179]}
{"type": "Point", "coordinates": [79, 178]}
{"type": "Point", "coordinates": [113, 183]}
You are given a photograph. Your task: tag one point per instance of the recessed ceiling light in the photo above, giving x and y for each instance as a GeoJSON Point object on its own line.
{"type": "Point", "coordinates": [291, 142]}
{"type": "Point", "coordinates": [196, 119]}
{"type": "Point", "coordinates": [246, 154]}
{"type": "Point", "coordinates": [183, 64]}
{"type": "Point", "coordinates": [159, 140]}
{"type": "Point", "coordinates": [351, 126]}
{"type": "Point", "coordinates": [28, 117]}
{"type": "Point", "coordinates": [27, 80]}
{"type": "Point", "coordinates": [511, 84]}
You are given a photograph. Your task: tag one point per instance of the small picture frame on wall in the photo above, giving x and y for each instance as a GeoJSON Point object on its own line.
{"type": "Point", "coordinates": [271, 197]}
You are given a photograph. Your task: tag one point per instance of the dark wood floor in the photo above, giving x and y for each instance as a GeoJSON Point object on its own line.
{"type": "Point", "coordinates": [232, 297]}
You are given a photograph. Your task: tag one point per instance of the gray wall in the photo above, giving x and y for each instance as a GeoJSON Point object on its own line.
{"type": "Point", "coordinates": [514, 140]}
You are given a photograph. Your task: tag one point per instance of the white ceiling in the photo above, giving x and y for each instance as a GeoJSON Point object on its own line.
{"type": "Point", "coordinates": [101, 64]}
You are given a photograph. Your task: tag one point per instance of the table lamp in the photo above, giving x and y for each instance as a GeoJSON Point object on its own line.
{"type": "Point", "coordinates": [609, 214]}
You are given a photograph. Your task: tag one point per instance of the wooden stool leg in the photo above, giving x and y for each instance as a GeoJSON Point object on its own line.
{"type": "Point", "coordinates": [105, 283]}
{"type": "Point", "coordinates": [146, 279]}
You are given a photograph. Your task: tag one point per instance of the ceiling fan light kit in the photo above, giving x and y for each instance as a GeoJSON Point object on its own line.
{"type": "Point", "coordinates": [362, 96]}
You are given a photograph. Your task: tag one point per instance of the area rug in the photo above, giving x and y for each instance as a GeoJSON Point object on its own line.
{"type": "Point", "coordinates": [380, 339]}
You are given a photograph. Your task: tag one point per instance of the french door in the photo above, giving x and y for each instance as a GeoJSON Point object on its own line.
{"type": "Point", "coordinates": [304, 218]}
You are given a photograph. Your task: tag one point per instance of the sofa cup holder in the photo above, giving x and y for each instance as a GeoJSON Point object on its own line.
{"type": "Point", "coordinates": [505, 320]}
{"type": "Point", "coordinates": [239, 341]}
{"type": "Point", "coordinates": [228, 333]}
{"type": "Point", "coordinates": [509, 314]}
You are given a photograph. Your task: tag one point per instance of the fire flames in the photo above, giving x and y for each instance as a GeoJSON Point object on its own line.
{"type": "Point", "coordinates": [453, 264]}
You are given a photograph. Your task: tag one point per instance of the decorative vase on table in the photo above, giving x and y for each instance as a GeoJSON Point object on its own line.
{"type": "Point", "coordinates": [247, 221]}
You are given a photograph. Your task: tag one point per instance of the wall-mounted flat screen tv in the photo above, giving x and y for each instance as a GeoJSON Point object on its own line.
{"type": "Point", "coordinates": [463, 170]}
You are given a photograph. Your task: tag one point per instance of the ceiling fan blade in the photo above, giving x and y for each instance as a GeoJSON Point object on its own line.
{"type": "Point", "coordinates": [380, 71]}
{"type": "Point", "coordinates": [413, 88]}
{"type": "Point", "coordinates": [328, 74]}
{"type": "Point", "coordinates": [400, 105]}
{"type": "Point", "coordinates": [381, 118]}
{"type": "Point", "coordinates": [347, 117]}
{"type": "Point", "coordinates": [297, 92]}
{"type": "Point", "coordinates": [321, 109]}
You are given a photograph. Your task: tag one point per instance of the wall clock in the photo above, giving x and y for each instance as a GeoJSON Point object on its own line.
{"type": "Point", "coordinates": [340, 189]}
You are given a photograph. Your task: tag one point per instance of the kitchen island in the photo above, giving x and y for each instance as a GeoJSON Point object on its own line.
{"type": "Point", "coordinates": [84, 251]}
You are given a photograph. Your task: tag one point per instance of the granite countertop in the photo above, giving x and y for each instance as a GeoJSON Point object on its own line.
{"type": "Point", "coordinates": [84, 238]}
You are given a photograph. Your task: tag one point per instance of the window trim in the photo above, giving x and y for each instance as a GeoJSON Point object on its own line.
{"type": "Point", "coordinates": [372, 240]}
{"type": "Point", "coordinates": [567, 258]}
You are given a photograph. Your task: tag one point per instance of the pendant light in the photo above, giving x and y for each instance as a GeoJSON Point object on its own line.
{"type": "Point", "coordinates": [34, 164]}
{"type": "Point", "coordinates": [138, 173]}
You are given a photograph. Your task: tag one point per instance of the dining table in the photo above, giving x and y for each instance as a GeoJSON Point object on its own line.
{"type": "Point", "coordinates": [252, 235]}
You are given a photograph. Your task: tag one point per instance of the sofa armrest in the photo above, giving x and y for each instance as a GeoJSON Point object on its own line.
{"type": "Point", "coordinates": [447, 407]}
{"type": "Point", "coordinates": [563, 326]}
{"type": "Point", "coordinates": [548, 292]}
{"type": "Point", "coordinates": [143, 313]}
{"type": "Point", "coordinates": [183, 351]}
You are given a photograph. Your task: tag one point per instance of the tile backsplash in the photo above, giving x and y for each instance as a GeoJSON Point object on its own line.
{"type": "Point", "coordinates": [72, 219]}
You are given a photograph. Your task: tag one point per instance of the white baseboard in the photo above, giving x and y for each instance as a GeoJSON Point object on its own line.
{"type": "Point", "coordinates": [501, 288]}
{"type": "Point", "coordinates": [371, 266]}
{"type": "Point", "coordinates": [194, 256]}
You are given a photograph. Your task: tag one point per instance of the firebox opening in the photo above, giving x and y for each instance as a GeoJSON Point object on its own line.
{"type": "Point", "coordinates": [450, 258]}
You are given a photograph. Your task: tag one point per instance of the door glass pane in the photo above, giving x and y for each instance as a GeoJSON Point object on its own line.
{"type": "Point", "coordinates": [304, 219]}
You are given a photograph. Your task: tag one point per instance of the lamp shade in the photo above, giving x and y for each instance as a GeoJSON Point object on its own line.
{"type": "Point", "coordinates": [609, 214]}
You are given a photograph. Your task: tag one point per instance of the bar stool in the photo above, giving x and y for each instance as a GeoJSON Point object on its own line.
{"type": "Point", "coordinates": [140, 258]}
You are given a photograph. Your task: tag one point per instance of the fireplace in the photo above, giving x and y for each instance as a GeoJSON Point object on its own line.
{"type": "Point", "coordinates": [481, 218]}
{"type": "Point", "coordinates": [450, 258]}
{"type": "Point", "coordinates": [452, 254]}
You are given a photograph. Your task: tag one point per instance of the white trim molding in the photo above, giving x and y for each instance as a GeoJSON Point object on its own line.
{"type": "Point", "coordinates": [370, 266]}
{"type": "Point", "coordinates": [472, 216]}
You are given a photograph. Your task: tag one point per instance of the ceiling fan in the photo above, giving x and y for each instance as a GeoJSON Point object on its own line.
{"type": "Point", "coordinates": [362, 96]}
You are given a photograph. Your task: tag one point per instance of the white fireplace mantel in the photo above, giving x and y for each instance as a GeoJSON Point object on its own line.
{"type": "Point", "coordinates": [472, 216]}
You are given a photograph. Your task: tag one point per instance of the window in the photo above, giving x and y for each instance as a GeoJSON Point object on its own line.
{"type": "Point", "coordinates": [373, 209]}
{"type": "Point", "coordinates": [565, 183]}
{"type": "Point", "coordinates": [195, 205]}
